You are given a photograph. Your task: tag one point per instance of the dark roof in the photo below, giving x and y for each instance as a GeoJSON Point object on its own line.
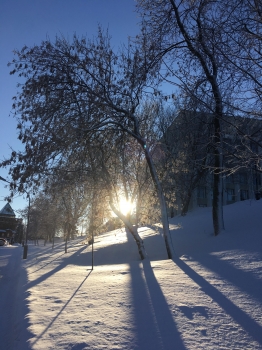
{"type": "Point", "coordinates": [7, 211]}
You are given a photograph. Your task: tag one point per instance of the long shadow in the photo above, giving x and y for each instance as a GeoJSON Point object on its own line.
{"type": "Point", "coordinates": [116, 253]}
{"type": "Point", "coordinates": [62, 309]}
{"type": "Point", "coordinates": [242, 279]}
{"type": "Point", "coordinates": [56, 258]}
{"type": "Point", "coordinates": [154, 325]}
{"type": "Point", "coordinates": [22, 335]}
{"type": "Point", "coordinates": [153, 242]}
{"type": "Point", "coordinates": [46, 250]}
{"type": "Point", "coordinates": [39, 255]}
{"type": "Point", "coordinates": [240, 317]}
{"type": "Point", "coordinates": [49, 262]}
{"type": "Point", "coordinates": [125, 251]}
{"type": "Point", "coordinates": [33, 254]}
{"type": "Point", "coordinates": [13, 305]}
{"type": "Point", "coordinates": [73, 259]}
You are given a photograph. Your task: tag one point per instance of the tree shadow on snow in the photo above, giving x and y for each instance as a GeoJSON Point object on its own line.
{"type": "Point", "coordinates": [59, 313]}
{"type": "Point", "coordinates": [75, 259]}
{"type": "Point", "coordinates": [154, 325]}
{"type": "Point", "coordinates": [242, 279]}
{"type": "Point", "coordinates": [47, 263]}
{"type": "Point", "coordinates": [238, 315]}
{"type": "Point", "coordinates": [190, 312]}
{"type": "Point", "coordinates": [118, 252]}
{"type": "Point", "coordinates": [21, 338]}
{"type": "Point", "coordinates": [58, 255]}
{"type": "Point", "coordinates": [41, 255]}
{"type": "Point", "coordinates": [14, 323]}
{"type": "Point", "coordinates": [79, 346]}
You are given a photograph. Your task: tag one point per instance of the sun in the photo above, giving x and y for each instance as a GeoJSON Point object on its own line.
{"type": "Point", "coordinates": [125, 206]}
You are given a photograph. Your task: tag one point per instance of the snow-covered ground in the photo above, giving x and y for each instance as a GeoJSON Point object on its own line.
{"type": "Point", "coordinates": [209, 297]}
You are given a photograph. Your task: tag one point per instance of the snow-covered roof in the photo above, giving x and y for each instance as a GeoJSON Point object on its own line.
{"type": "Point", "coordinates": [7, 211]}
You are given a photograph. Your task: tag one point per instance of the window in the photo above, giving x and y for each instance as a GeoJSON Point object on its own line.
{"type": "Point", "coordinates": [230, 195]}
{"type": "Point", "coordinates": [243, 195]}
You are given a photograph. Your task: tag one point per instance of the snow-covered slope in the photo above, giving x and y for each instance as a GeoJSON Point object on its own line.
{"type": "Point", "coordinates": [209, 297]}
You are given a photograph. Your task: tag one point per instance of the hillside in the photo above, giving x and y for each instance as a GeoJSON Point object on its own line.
{"type": "Point", "coordinates": [210, 297]}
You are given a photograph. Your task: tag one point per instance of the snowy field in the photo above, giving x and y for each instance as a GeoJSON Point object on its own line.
{"type": "Point", "coordinates": [209, 297]}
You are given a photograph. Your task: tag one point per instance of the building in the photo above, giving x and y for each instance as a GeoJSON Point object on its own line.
{"type": "Point", "coordinates": [8, 223]}
{"type": "Point", "coordinates": [189, 154]}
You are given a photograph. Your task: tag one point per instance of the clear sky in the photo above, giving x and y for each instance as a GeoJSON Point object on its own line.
{"type": "Point", "coordinates": [27, 22]}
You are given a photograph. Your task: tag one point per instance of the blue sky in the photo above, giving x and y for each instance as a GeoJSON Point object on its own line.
{"type": "Point", "coordinates": [27, 22]}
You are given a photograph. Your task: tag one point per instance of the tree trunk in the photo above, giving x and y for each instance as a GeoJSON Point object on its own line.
{"type": "Point", "coordinates": [217, 210]}
{"type": "Point", "coordinates": [162, 201]}
{"type": "Point", "coordinates": [186, 203]}
{"type": "Point", "coordinates": [210, 68]}
{"type": "Point", "coordinates": [66, 244]}
{"type": "Point", "coordinates": [132, 229]}
{"type": "Point", "coordinates": [191, 188]}
{"type": "Point", "coordinates": [138, 204]}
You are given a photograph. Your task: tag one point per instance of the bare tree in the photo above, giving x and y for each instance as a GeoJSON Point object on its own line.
{"type": "Point", "coordinates": [110, 168]}
{"type": "Point", "coordinates": [185, 40]}
{"type": "Point", "coordinates": [240, 48]}
{"type": "Point", "coordinates": [45, 217]}
{"type": "Point", "coordinates": [73, 92]}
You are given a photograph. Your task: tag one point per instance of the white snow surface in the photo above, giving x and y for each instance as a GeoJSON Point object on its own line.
{"type": "Point", "coordinates": [209, 297]}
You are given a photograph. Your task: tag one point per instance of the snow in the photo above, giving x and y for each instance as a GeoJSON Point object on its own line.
{"type": "Point", "coordinates": [209, 297]}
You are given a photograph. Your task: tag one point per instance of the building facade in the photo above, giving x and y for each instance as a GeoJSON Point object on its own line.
{"type": "Point", "coordinates": [189, 150]}
{"type": "Point", "coordinates": [8, 223]}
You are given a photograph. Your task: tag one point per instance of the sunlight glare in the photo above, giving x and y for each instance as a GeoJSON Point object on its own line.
{"type": "Point", "coordinates": [125, 206]}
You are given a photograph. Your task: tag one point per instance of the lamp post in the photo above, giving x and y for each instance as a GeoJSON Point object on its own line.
{"type": "Point", "coordinates": [92, 249]}
{"type": "Point", "coordinates": [27, 226]}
